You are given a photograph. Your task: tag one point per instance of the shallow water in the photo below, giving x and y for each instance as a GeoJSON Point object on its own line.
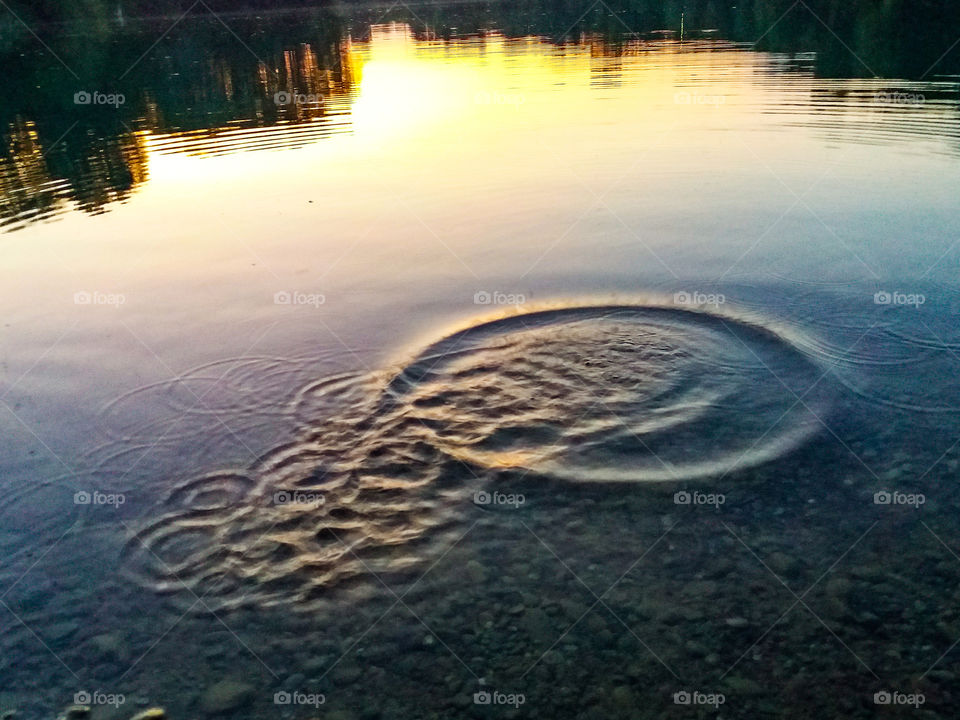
{"type": "Point", "coordinates": [590, 367]}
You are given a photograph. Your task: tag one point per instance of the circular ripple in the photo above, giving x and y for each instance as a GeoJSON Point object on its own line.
{"type": "Point", "coordinates": [614, 393]}
{"type": "Point", "coordinates": [347, 496]}
{"type": "Point", "coordinates": [386, 464]}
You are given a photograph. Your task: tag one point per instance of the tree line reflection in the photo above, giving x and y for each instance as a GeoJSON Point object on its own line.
{"type": "Point", "coordinates": [286, 79]}
{"type": "Point", "coordinates": [69, 143]}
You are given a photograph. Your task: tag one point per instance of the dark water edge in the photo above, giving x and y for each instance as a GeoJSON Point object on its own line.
{"type": "Point", "coordinates": [853, 39]}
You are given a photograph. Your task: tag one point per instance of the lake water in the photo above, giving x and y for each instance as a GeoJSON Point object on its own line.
{"type": "Point", "coordinates": [424, 362]}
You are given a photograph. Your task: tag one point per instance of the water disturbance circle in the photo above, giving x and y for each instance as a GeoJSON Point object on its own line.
{"type": "Point", "coordinates": [614, 393]}
{"type": "Point", "coordinates": [385, 464]}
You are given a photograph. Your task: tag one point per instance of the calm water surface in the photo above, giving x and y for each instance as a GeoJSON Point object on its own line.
{"type": "Point", "coordinates": [353, 359]}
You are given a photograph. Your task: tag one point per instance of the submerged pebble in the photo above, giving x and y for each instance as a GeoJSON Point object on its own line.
{"type": "Point", "coordinates": [225, 696]}
{"type": "Point", "coordinates": [154, 713]}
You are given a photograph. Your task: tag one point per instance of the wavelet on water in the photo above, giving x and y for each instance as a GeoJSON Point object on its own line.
{"type": "Point", "coordinates": [387, 462]}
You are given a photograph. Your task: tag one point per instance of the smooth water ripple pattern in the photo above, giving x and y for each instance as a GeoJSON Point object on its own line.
{"type": "Point", "coordinates": [386, 464]}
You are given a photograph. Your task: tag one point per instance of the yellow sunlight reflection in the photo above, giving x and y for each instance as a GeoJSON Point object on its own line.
{"type": "Point", "coordinates": [475, 88]}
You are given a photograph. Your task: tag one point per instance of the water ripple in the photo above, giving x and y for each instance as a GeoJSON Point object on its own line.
{"type": "Point", "coordinates": [388, 463]}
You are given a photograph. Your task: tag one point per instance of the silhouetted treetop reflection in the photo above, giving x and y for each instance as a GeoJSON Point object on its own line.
{"type": "Point", "coordinates": [275, 78]}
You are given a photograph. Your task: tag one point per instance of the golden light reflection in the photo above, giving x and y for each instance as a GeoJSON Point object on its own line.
{"type": "Point", "coordinates": [476, 97]}
{"type": "Point", "coordinates": [479, 87]}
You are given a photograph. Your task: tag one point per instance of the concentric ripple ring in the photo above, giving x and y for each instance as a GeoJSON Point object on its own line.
{"type": "Point", "coordinates": [386, 463]}
{"type": "Point", "coordinates": [615, 393]}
